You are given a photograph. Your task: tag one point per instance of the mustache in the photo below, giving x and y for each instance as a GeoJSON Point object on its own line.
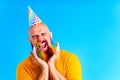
{"type": "Point", "coordinates": [43, 42]}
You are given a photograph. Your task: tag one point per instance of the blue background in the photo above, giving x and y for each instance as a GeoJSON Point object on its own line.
{"type": "Point", "coordinates": [88, 28]}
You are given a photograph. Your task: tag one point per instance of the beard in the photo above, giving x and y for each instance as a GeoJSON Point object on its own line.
{"type": "Point", "coordinates": [45, 51]}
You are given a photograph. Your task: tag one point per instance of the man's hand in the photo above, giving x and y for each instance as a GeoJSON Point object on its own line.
{"type": "Point", "coordinates": [42, 64]}
{"type": "Point", "coordinates": [54, 73]}
{"type": "Point", "coordinates": [53, 59]}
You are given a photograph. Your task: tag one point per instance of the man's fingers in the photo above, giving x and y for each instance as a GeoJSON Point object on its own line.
{"type": "Point", "coordinates": [57, 45]}
{"type": "Point", "coordinates": [57, 49]}
{"type": "Point", "coordinates": [34, 54]}
{"type": "Point", "coordinates": [31, 54]}
{"type": "Point", "coordinates": [34, 50]}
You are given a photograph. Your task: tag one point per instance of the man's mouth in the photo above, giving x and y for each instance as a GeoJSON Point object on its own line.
{"type": "Point", "coordinates": [42, 44]}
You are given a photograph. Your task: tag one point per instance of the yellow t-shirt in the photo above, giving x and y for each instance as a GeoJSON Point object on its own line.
{"type": "Point", "coordinates": [67, 64]}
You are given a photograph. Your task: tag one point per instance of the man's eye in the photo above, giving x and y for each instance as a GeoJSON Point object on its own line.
{"type": "Point", "coordinates": [34, 36]}
{"type": "Point", "coordinates": [43, 34]}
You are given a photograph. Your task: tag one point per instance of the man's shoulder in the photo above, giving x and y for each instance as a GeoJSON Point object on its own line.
{"type": "Point", "coordinates": [66, 58]}
{"type": "Point", "coordinates": [26, 61]}
{"type": "Point", "coordinates": [67, 55]}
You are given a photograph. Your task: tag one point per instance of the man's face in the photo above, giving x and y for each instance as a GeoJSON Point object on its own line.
{"type": "Point", "coordinates": [40, 33]}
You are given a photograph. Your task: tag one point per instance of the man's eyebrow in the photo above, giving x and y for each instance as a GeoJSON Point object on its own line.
{"type": "Point", "coordinates": [43, 32]}
{"type": "Point", "coordinates": [34, 36]}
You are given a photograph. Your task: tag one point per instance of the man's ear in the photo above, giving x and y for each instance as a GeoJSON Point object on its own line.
{"type": "Point", "coordinates": [29, 39]}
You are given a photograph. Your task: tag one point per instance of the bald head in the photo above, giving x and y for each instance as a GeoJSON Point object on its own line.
{"type": "Point", "coordinates": [38, 27]}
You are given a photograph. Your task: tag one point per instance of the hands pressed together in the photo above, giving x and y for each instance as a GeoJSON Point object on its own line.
{"type": "Point", "coordinates": [49, 71]}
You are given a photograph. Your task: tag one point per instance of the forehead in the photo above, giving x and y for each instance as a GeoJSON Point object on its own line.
{"type": "Point", "coordinates": [38, 28]}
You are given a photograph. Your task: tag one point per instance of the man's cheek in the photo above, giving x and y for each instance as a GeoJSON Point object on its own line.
{"type": "Point", "coordinates": [34, 43]}
{"type": "Point", "coordinates": [49, 42]}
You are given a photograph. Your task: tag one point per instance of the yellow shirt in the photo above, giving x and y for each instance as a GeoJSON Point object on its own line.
{"type": "Point", "coordinates": [67, 64]}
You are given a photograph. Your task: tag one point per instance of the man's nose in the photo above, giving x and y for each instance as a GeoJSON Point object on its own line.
{"type": "Point", "coordinates": [40, 38]}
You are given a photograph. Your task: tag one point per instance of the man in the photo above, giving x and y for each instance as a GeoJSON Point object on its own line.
{"type": "Point", "coordinates": [61, 65]}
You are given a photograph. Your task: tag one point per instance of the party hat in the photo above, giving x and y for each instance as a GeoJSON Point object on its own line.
{"type": "Point", "coordinates": [33, 18]}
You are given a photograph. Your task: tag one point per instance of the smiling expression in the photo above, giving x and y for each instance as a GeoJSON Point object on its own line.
{"type": "Point", "coordinates": [39, 33]}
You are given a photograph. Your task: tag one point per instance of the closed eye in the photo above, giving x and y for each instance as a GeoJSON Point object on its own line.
{"type": "Point", "coordinates": [43, 34]}
{"type": "Point", "coordinates": [35, 36]}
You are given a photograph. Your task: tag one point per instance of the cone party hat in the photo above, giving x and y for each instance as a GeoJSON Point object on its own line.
{"type": "Point", "coordinates": [32, 17]}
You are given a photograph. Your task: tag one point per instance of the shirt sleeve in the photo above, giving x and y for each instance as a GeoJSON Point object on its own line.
{"type": "Point", "coordinates": [73, 69]}
{"type": "Point", "coordinates": [22, 73]}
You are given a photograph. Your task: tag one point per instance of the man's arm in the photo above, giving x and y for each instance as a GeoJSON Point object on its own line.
{"type": "Point", "coordinates": [22, 74]}
{"type": "Point", "coordinates": [44, 75]}
{"type": "Point", "coordinates": [54, 73]}
{"type": "Point", "coordinates": [73, 68]}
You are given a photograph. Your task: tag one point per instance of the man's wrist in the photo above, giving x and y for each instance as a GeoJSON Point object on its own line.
{"type": "Point", "coordinates": [52, 67]}
{"type": "Point", "coordinates": [45, 70]}
{"type": "Point", "coordinates": [44, 75]}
